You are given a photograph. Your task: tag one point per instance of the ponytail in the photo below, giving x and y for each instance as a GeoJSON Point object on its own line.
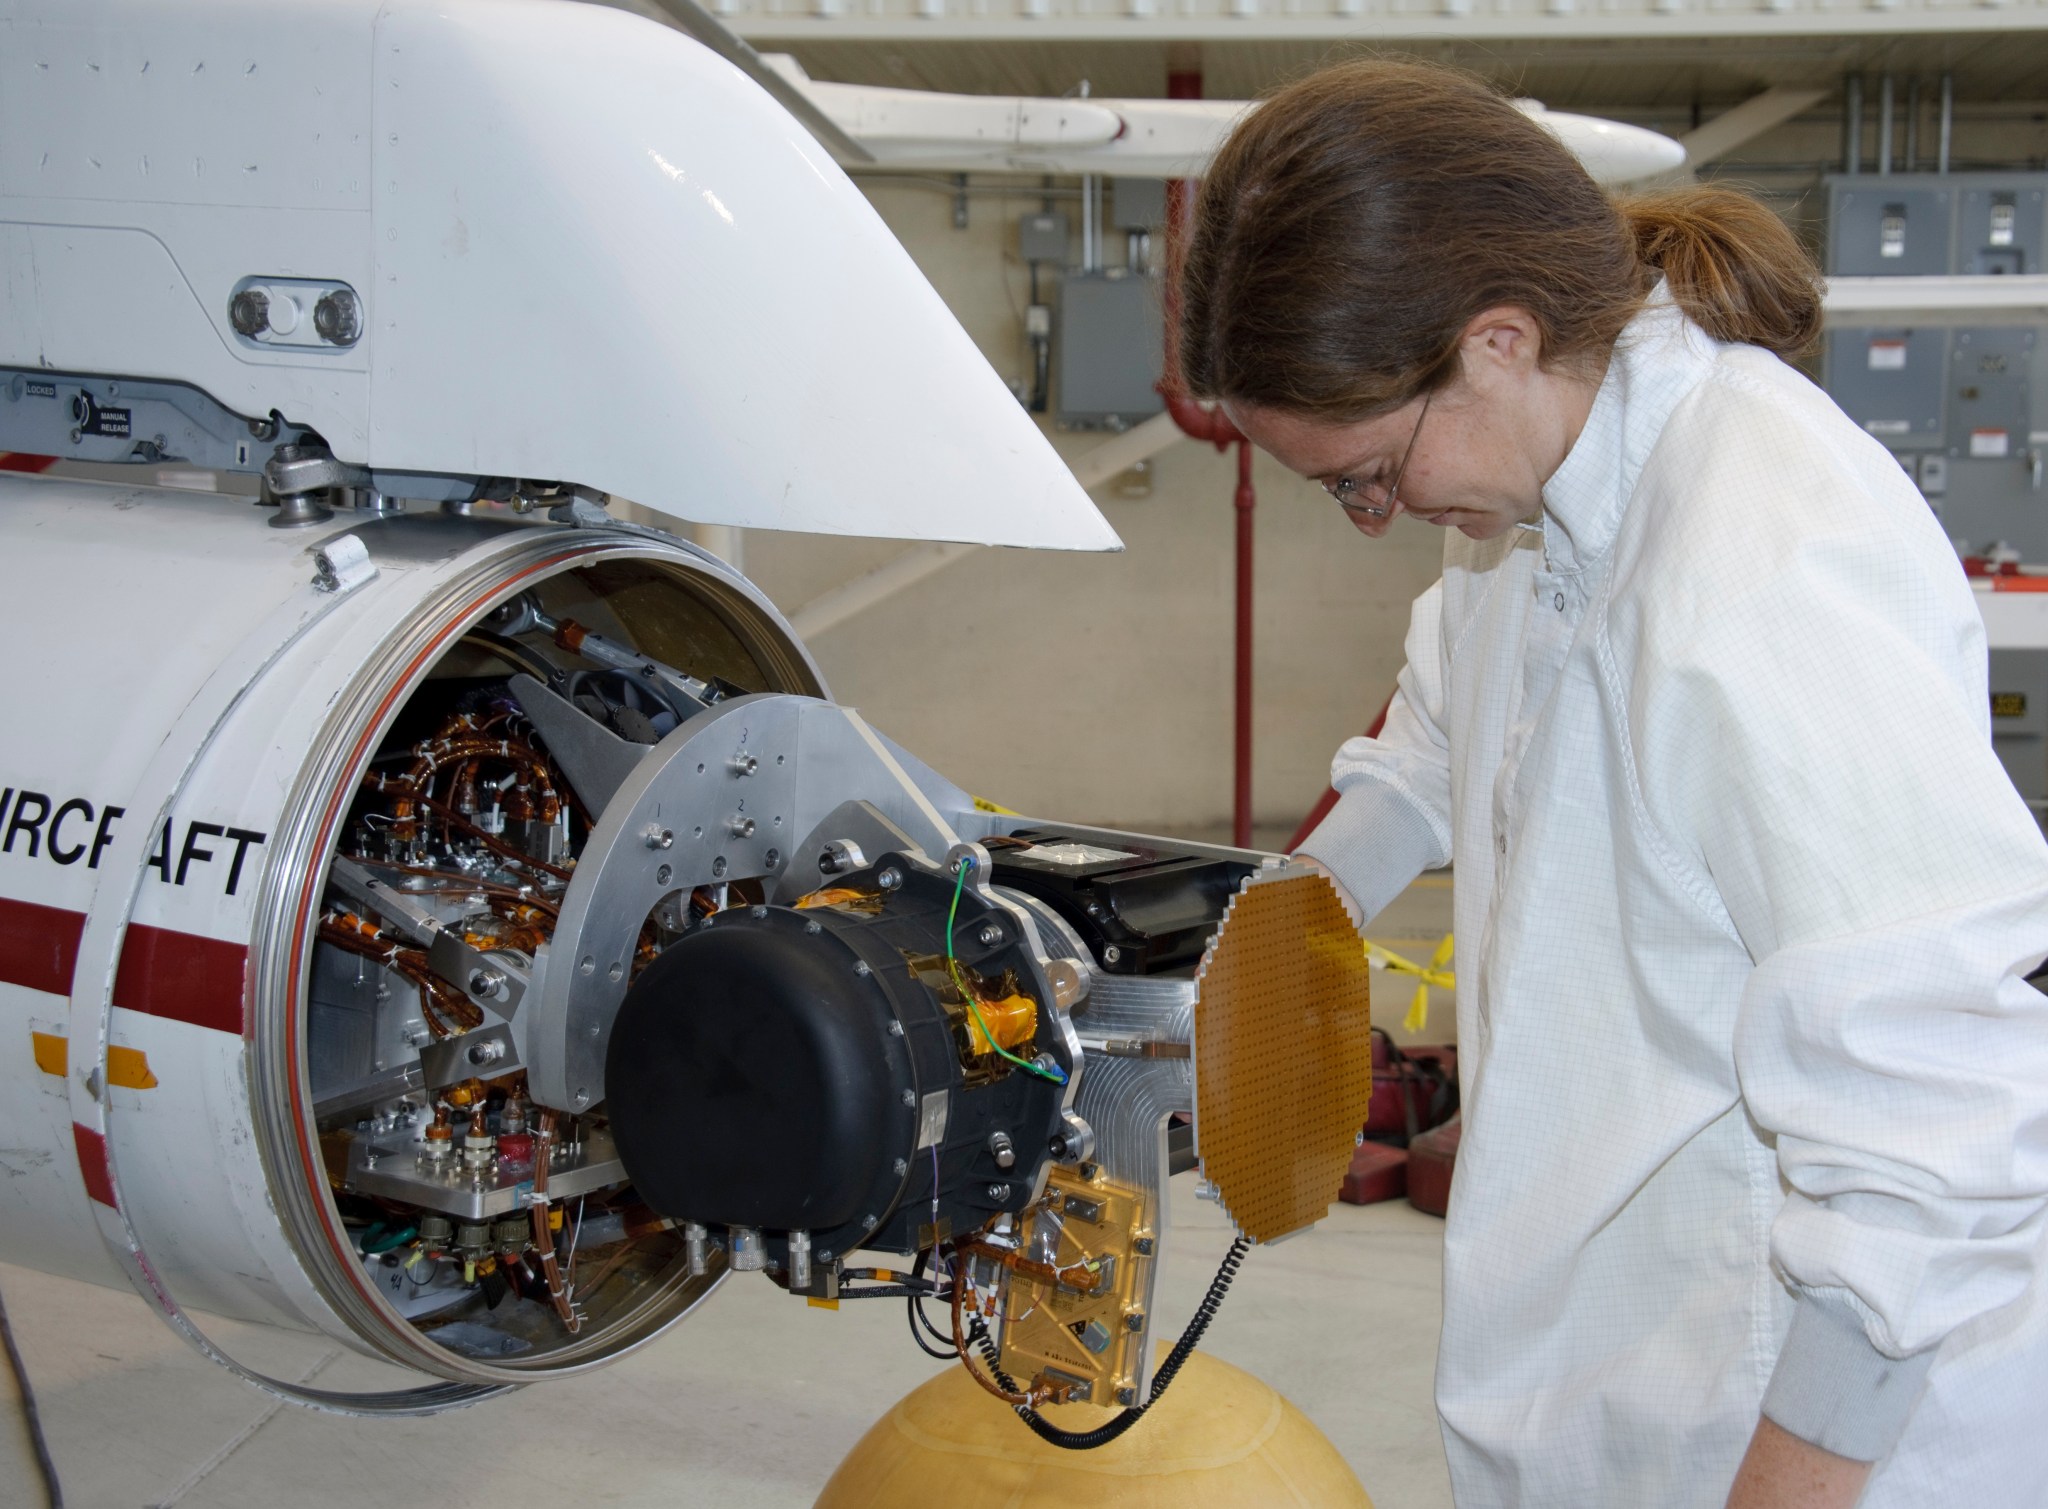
{"type": "Point", "coordinates": [1733, 266]}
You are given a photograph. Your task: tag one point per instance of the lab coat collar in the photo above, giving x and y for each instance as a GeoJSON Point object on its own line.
{"type": "Point", "coordinates": [1659, 358]}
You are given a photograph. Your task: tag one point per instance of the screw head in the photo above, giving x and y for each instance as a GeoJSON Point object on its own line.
{"type": "Point", "coordinates": [1112, 955]}
{"type": "Point", "coordinates": [814, 927]}
{"type": "Point", "coordinates": [1127, 1396]}
{"type": "Point", "coordinates": [1135, 1321]}
{"type": "Point", "coordinates": [664, 875]}
{"type": "Point", "coordinates": [902, 1168]}
{"type": "Point", "coordinates": [772, 858]}
{"type": "Point", "coordinates": [999, 1192]}
{"type": "Point", "coordinates": [989, 936]}
{"type": "Point", "coordinates": [910, 1097]}
{"type": "Point", "coordinates": [890, 878]}
{"type": "Point", "coordinates": [860, 967]}
{"type": "Point", "coordinates": [485, 982]}
{"type": "Point", "coordinates": [718, 865]}
{"type": "Point", "coordinates": [1143, 1246]}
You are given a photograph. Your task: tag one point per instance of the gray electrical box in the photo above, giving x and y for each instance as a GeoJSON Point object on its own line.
{"type": "Point", "coordinates": [1138, 204]}
{"type": "Point", "coordinates": [1043, 237]}
{"type": "Point", "coordinates": [1888, 227]}
{"type": "Point", "coordinates": [1999, 226]}
{"type": "Point", "coordinates": [1989, 396]}
{"type": "Point", "coordinates": [1891, 382]}
{"type": "Point", "coordinates": [1110, 349]}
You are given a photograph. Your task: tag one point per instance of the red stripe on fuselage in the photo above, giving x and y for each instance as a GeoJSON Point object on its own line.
{"type": "Point", "coordinates": [39, 945]}
{"type": "Point", "coordinates": [181, 976]}
{"type": "Point", "coordinates": [92, 1162]}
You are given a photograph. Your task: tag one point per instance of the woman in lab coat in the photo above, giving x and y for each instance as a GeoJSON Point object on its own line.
{"type": "Point", "coordinates": [1750, 1200]}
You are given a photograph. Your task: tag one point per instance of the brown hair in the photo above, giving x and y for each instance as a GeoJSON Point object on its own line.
{"type": "Point", "coordinates": [1355, 222]}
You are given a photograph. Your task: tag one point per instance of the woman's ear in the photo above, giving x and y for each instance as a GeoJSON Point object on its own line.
{"type": "Point", "coordinates": [1501, 342]}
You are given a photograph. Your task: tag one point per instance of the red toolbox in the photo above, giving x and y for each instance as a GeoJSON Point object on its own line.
{"type": "Point", "coordinates": [1431, 1159]}
{"type": "Point", "coordinates": [1377, 1173]}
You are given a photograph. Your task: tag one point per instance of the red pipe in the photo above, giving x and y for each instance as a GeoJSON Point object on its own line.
{"type": "Point", "coordinates": [1199, 422]}
{"type": "Point", "coordinates": [1328, 800]}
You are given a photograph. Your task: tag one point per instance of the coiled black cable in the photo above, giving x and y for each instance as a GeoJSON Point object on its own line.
{"type": "Point", "coordinates": [1102, 1435]}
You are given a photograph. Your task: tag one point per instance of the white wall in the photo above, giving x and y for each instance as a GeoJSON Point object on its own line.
{"type": "Point", "coordinates": [1099, 688]}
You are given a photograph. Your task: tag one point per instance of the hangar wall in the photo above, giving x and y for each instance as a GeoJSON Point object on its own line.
{"type": "Point", "coordinates": [1138, 646]}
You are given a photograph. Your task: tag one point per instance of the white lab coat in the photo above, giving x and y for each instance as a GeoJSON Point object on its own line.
{"type": "Point", "coordinates": [1743, 903]}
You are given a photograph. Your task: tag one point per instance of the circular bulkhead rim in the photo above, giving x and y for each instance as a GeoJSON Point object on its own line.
{"type": "Point", "coordinates": [295, 883]}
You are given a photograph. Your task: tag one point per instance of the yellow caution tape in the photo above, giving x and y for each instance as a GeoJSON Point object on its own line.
{"type": "Point", "coordinates": [1431, 974]}
{"type": "Point", "coordinates": [126, 1067]}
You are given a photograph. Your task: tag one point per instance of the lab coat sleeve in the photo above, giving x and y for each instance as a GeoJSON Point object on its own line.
{"type": "Point", "coordinates": [1892, 890]}
{"type": "Point", "coordinates": [1392, 820]}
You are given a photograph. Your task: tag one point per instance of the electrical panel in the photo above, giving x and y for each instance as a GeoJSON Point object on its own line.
{"type": "Point", "coordinates": [1137, 204]}
{"type": "Point", "coordinates": [1999, 228]}
{"type": "Point", "coordinates": [1043, 237]}
{"type": "Point", "coordinates": [1891, 382]}
{"type": "Point", "coordinates": [1989, 394]}
{"type": "Point", "coordinates": [1881, 227]}
{"type": "Point", "coordinates": [1111, 339]}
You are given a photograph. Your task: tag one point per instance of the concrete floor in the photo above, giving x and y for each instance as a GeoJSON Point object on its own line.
{"type": "Point", "coordinates": [748, 1404]}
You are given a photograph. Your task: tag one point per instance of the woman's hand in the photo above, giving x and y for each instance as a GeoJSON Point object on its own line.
{"type": "Point", "coordinates": [1783, 1472]}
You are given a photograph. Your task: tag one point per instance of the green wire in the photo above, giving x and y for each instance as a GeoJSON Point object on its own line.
{"type": "Point", "coordinates": [1057, 1076]}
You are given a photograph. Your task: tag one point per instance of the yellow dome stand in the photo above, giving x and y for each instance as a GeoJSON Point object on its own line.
{"type": "Point", "coordinates": [1220, 1439]}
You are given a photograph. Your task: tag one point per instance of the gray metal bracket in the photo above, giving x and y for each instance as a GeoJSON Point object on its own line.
{"type": "Point", "coordinates": [730, 795]}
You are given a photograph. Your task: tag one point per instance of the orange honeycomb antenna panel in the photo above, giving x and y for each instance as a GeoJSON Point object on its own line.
{"type": "Point", "coordinates": [1283, 1053]}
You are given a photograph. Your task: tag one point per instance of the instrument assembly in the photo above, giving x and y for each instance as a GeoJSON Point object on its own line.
{"type": "Point", "coordinates": [461, 922]}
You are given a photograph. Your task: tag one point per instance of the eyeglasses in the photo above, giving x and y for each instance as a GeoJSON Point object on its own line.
{"type": "Point", "coordinates": [1369, 500]}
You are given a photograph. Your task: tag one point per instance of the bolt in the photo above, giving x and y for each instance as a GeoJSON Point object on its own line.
{"type": "Point", "coordinates": [773, 857]}
{"type": "Point", "coordinates": [743, 764]}
{"type": "Point", "coordinates": [989, 936]}
{"type": "Point", "coordinates": [902, 1168]}
{"type": "Point", "coordinates": [1002, 1150]}
{"type": "Point", "coordinates": [487, 1052]}
{"type": "Point", "coordinates": [657, 837]}
{"type": "Point", "coordinates": [718, 865]}
{"type": "Point", "coordinates": [860, 967]}
{"type": "Point", "coordinates": [486, 982]}
{"type": "Point", "coordinates": [890, 878]}
{"type": "Point", "coordinates": [1143, 1246]}
{"type": "Point", "coordinates": [1112, 954]}
{"type": "Point", "coordinates": [249, 312]}
{"type": "Point", "coordinates": [1094, 909]}
{"type": "Point", "coordinates": [895, 1028]}
{"type": "Point", "coordinates": [338, 318]}
{"type": "Point", "coordinates": [740, 827]}
{"type": "Point", "coordinates": [910, 1097]}
{"type": "Point", "coordinates": [663, 875]}
{"type": "Point", "coordinates": [999, 1192]}
{"type": "Point", "coordinates": [1126, 1397]}
{"type": "Point", "coordinates": [814, 927]}
{"type": "Point", "coordinates": [1135, 1321]}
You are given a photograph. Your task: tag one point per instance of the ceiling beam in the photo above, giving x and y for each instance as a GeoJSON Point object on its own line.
{"type": "Point", "coordinates": [1746, 122]}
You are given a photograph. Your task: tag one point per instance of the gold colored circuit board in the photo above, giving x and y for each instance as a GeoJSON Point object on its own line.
{"type": "Point", "coordinates": [1283, 1054]}
{"type": "Point", "coordinates": [1094, 1340]}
